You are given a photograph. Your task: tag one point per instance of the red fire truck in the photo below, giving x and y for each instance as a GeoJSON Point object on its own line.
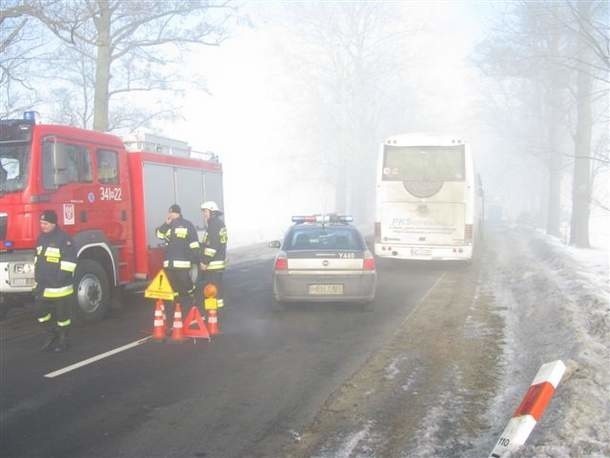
{"type": "Point", "coordinates": [109, 194]}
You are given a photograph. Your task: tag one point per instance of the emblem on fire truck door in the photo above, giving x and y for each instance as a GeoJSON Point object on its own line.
{"type": "Point", "coordinates": [68, 214]}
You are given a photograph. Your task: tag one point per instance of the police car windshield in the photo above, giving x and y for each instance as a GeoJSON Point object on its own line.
{"type": "Point", "coordinates": [320, 238]}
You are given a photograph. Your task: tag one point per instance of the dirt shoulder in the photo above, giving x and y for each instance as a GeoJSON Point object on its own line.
{"type": "Point", "coordinates": [423, 394]}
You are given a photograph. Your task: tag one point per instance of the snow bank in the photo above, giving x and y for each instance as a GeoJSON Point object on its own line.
{"type": "Point", "coordinates": [560, 309]}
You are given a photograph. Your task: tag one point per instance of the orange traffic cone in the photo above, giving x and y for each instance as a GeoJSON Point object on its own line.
{"type": "Point", "coordinates": [177, 334]}
{"type": "Point", "coordinates": [159, 323]}
{"type": "Point", "coordinates": [194, 318]}
{"type": "Point", "coordinates": [213, 325]}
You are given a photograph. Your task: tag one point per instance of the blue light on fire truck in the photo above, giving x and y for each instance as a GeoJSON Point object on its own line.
{"type": "Point", "coordinates": [29, 116]}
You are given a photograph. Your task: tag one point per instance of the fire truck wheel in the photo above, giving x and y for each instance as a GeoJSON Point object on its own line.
{"type": "Point", "coordinates": [92, 290]}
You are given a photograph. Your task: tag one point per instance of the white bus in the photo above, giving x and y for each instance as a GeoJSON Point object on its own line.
{"type": "Point", "coordinates": [429, 200]}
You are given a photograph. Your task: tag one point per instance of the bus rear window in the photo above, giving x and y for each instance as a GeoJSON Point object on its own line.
{"type": "Point", "coordinates": [423, 163]}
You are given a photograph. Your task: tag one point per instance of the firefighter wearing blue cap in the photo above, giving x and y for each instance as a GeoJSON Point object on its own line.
{"type": "Point", "coordinates": [181, 252]}
{"type": "Point", "coordinates": [54, 266]}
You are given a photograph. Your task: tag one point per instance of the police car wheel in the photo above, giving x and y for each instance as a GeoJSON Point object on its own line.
{"type": "Point", "coordinates": [92, 291]}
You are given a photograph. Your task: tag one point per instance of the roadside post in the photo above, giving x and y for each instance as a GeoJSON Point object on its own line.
{"type": "Point", "coordinates": [530, 410]}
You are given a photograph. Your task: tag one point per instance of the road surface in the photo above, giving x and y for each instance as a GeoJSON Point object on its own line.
{"type": "Point", "coordinates": [246, 393]}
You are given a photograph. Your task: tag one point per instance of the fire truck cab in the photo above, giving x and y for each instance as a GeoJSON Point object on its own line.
{"type": "Point", "coordinates": [109, 195]}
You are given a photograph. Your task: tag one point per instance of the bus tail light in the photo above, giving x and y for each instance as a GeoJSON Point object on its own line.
{"type": "Point", "coordinates": [369, 262]}
{"type": "Point", "coordinates": [281, 263]}
{"type": "Point", "coordinates": [468, 232]}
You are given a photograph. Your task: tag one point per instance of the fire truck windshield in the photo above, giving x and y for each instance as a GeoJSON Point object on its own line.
{"type": "Point", "coordinates": [14, 159]}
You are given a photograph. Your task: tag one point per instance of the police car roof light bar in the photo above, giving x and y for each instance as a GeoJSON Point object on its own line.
{"type": "Point", "coordinates": [330, 218]}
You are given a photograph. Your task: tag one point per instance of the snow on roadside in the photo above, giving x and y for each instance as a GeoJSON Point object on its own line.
{"type": "Point", "coordinates": [558, 307]}
{"type": "Point", "coordinates": [534, 301]}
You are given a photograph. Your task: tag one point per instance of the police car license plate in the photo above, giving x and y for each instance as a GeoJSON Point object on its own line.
{"type": "Point", "coordinates": [322, 290]}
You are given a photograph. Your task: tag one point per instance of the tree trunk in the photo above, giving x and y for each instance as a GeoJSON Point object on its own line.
{"type": "Point", "coordinates": [554, 186]}
{"type": "Point", "coordinates": [552, 103]}
{"type": "Point", "coordinates": [102, 68]}
{"type": "Point", "coordinates": [581, 187]}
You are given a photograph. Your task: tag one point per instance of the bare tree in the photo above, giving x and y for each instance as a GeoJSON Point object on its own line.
{"type": "Point", "coordinates": [130, 44]}
{"type": "Point", "coordinates": [20, 45]}
{"type": "Point", "coordinates": [516, 51]}
{"type": "Point", "coordinates": [592, 26]}
{"type": "Point", "coordinates": [348, 58]}
{"type": "Point", "coordinates": [582, 179]}
{"type": "Point", "coordinates": [577, 44]}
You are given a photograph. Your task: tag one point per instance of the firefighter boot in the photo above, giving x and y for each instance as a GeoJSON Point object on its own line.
{"type": "Point", "coordinates": [63, 342]}
{"type": "Point", "coordinates": [50, 339]}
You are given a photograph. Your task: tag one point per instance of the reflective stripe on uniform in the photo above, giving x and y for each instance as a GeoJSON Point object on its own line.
{"type": "Point", "coordinates": [209, 252]}
{"type": "Point", "coordinates": [58, 292]}
{"type": "Point", "coordinates": [38, 249]}
{"type": "Point", "coordinates": [181, 264]}
{"type": "Point", "coordinates": [63, 324]}
{"type": "Point", "coordinates": [181, 232]}
{"type": "Point", "coordinates": [162, 235]}
{"type": "Point", "coordinates": [53, 252]}
{"type": "Point", "coordinates": [67, 266]}
{"type": "Point", "coordinates": [216, 265]}
{"type": "Point", "coordinates": [222, 235]}
{"type": "Point", "coordinates": [44, 319]}
{"type": "Point", "coordinates": [194, 245]}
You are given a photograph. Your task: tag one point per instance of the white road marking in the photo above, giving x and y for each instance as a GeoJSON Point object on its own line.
{"type": "Point", "coordinates": [96, 358]}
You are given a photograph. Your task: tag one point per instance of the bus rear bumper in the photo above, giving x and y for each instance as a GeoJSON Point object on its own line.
{"type": "Point", "coordinates": [424, 253]}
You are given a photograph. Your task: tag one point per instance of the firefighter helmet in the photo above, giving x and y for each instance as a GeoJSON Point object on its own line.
{"type": "Point", "coordinates": [210, 205]}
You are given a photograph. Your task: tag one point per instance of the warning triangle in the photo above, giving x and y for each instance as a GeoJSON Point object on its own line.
{"type": "Point", "coordinates": [195, 318]}
{"type": "Point", "coordinates": [160, 288]}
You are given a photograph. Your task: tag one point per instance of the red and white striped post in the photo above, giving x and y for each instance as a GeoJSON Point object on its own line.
{"type": "Point", "coordinates": [530, 410]}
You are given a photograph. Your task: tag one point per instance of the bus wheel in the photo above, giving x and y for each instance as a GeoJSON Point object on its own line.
{"type": "Point", "coordinates": [92, 291]}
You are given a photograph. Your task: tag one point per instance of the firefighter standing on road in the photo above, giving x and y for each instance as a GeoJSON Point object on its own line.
{"type": "Point", "coordinates": [214, 249]}
{"type": "Point", "coordinates": [181, 253]}
{"type": "Point", "coordinates": [54, 266]}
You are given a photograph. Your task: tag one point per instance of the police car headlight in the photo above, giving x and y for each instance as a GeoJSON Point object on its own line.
{"type": "Point", "coordinates": [24, 268]}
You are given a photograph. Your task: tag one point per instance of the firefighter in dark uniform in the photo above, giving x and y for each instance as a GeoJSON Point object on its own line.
{"type": "Point", "coordinates": [182, 251]}
{"type": "Point", "coordinates": [214, 246]}
{"type": "Point", "coordinates": [54, 266]}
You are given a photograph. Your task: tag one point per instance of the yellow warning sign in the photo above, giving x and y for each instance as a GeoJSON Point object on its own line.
{"type": "Point", "coordinates": [160, 288]}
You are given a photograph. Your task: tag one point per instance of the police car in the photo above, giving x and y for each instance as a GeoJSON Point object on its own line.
{"type": "Point", "coordinates": [323, 258]}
